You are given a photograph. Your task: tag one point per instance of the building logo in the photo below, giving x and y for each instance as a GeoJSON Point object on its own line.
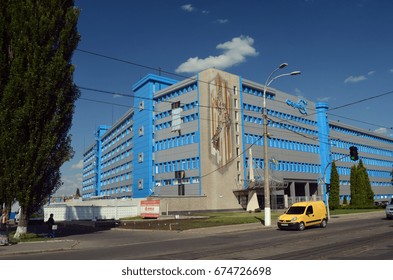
{"type": "Point", "coordinates": [300, 105]}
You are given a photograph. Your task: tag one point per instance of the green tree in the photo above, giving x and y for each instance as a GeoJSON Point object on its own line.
{"type": "Point", "coordinates": [345, 201]}
{"type": "Point", "coordinates": [78, 193]}
{"type": "Point", "coordinates": [334, 196]}
{"type": "Point", "coordinates": [362, 195]}
{"type": "Point", "coordinates": [367, 192]}
{"type": "Point", "coordinates": [37, 98]}
{"type": "Point", "coordinates": [354, 187]}
{"type": "Point", "coordinates": [6, 197]}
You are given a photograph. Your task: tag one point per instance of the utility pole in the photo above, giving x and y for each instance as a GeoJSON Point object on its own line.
{"type": "Point", "coordinates": [266, 185]}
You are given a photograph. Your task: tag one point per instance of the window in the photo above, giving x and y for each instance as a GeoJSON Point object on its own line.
{"type": "Point", "coordinates": [140, 157]}
{"type": "Point", "coordinates": [141, 106]}
{"type": "Point", "coordinates": [140, 184]}
{"type": "Point", "coordinates": [176, 105]}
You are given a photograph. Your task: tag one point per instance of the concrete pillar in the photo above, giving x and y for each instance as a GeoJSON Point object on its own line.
{"type": "Point", "coordinates": [307, 190]}
{"type": "Point", "coordinates": [292, 190]}
{"type": "Point", "coordinates": [252, 201]}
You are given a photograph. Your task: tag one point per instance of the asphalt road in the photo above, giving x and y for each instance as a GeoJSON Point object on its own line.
{"type": "Point", "coordinates": [362, 236]}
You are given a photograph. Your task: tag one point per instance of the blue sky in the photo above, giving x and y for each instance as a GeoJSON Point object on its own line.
{"type": "Point", "coordinates": [344, 50]}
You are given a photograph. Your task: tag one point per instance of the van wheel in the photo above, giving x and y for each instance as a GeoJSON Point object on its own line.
{"type": "Point", "coordinates": [323, 223]}
{"type": "Point", "coordinates": [301, 226]}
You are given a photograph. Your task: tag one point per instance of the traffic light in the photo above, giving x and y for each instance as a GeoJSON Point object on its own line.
{"type": "Point", "coordinates": [353, 153]}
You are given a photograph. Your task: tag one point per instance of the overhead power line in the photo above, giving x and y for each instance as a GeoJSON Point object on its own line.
{"type": "Point", "coordinates": [160, 70]}
{"type": "Point", "coordinates": [362, 100]}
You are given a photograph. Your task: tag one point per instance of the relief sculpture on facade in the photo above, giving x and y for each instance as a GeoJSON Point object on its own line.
{"type": "Point", "coordinates": [221, 126]}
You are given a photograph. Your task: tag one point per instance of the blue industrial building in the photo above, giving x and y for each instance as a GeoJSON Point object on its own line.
{"type": "Point", "coordinates": [189, 144]}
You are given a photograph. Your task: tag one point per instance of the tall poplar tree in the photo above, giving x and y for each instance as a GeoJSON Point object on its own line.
{"type": "Point", "coordinates": [367, 192]}
{"type": "Point", "coordinates": [354, 187]}
{"type": "Point", "coordinates": [362, 195]}
{"type": "Point", "coordinates": [37, 98]}
{"type": "Point", "coordinates": [334, 196]}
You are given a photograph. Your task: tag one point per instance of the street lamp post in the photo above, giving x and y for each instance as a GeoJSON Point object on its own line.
{"type": "Point", "coordinates": [266, 184]}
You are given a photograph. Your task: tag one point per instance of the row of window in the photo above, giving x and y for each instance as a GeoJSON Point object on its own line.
{"type": "Point", "coordinates": [298, 129]}
{"type": "Point", "coordinates": [172, 166]}
{"type": "Point", "coordinates": [359, 134]}
{"type": "Point", "coordinates": [184, 119]}
{"type": "Point", "coordinates": [115, 159]}
{"type": "Point", "coordinates": [290, 166]}
{"type": "Point", "coordinates": [176, 182]}
{"type": "Point", "coordinates": [175, 142]}
{"type": "Point", "coordinates": [117, 138]}
{"type": "Point", "coordinates": [367, 161]}
{"type": "Point", "coordinates": [280, 115]}
{"type": "Point", "coordinates": [89, 184]}
{"type": "Point", "coordinates": [372, 183]}
{"type": "Point", "coordinates": [116, 179]}
{"type": "Point", "coordinates": [89, 155]}
{"type": "Point", "coordinates": [371, 173]}
{"type": "Point", "coordinates": [185, 107]}
{"type": "Point", "coordinates": [377, 162]}
{"type": "Point", "coordinates": [176, 93]}
{"type": "Point", "coordinates": [116, 170]}
{"type": "Point", "coordinates": [117, 190]}
{"type": "Point", "coordinates": [285, 116]}
{"type": "Point", "coordinates": [257, 92]}
{"type": "Point", "coordinates": [281, 144]}
{"type": "Point", "coordinates": [117, 149]}
{"type": "Point", "coordinates": [361, 148]}
{"type": "Point", "coordinates": [121, 127]}
{"type": "Point", "coordinates": [88, 173]}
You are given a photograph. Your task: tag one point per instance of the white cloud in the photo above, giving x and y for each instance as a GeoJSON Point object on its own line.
{"type": "Point", "coordinates": [298, 92]}
{"type": "Point", "coordinates": [371, 73]}
{"type": "Point", "coordinates": [187, 8]}
{"type": "Point", "coordinates": [324, 99]}
{"type": "Point", "coordinates": [70, 184]}
{"type": "Point", "coordinates": [356, 79]}
{"type": "Point", "coordinates": [234, 52]}
{"type": "Point", "coordinates": [78, 165]}
{"type": "Point", "coordinates": [391, 70]}
{"type": "Point", "coordinates": [381, 130]}
{"type": "Point", "coordinates": [222, 21]}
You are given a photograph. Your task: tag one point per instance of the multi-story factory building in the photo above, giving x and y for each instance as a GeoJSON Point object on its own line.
{"type": "Point", "coordinates": [193, 144]}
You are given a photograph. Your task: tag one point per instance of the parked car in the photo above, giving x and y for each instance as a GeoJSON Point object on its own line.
{"type": "Point", "coordinates": [304, 214]}
{"type": "Point", "coordinates": [389, 210]}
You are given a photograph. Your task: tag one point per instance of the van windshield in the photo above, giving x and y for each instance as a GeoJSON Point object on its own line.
{"type": "Point", "coordinates": [296, 210]}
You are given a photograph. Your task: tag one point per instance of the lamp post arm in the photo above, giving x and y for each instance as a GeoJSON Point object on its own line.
{"type": "Point", "coordinates": [268, 82]}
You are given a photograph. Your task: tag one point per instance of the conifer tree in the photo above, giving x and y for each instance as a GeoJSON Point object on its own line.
{"type": "Point", "coordinates": [362, 195]}
{"type": "Point", "coordinates": [354, 187]}
{"type": "Point", "coordinates": [345, 200]}
{"type": "Point", "coordinates": [37, 97]}
{"type": "Point", "coordinates": [334, 196]}
{"type": "Point", "coordinates": [367, 192]}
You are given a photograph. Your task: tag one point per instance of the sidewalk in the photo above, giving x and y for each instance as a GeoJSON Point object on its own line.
{"type": "Point", "coordinates": [71, 241]}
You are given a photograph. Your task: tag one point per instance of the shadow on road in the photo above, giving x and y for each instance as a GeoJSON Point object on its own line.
{"type": "Point", "coordinates": [69, 228]}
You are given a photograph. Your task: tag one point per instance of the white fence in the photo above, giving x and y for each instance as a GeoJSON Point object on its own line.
{"type": "Point", "coordinates": [63, 212]}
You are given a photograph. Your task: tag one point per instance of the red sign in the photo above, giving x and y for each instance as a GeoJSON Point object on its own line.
{"type": "Point", "coordinates": [150, 208]}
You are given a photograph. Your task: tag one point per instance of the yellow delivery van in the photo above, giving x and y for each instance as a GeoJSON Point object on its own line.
{"type": "Point", "coordinates": [304, 214]}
